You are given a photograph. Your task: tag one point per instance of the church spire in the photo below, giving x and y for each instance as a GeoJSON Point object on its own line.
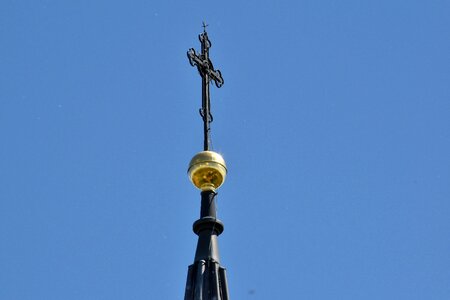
{"type": "Point", "coordinates": [206, 279]}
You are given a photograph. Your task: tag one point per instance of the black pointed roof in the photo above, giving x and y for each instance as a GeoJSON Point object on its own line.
{"type": "Point", "coordinates": [206, 278]}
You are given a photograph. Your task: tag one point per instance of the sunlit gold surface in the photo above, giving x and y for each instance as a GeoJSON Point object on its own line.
{"type": "Point", "coordinates": [207, 170]}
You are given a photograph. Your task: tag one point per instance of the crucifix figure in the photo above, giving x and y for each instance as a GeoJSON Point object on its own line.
{"type": "Point", "coordinates": [207, 72]}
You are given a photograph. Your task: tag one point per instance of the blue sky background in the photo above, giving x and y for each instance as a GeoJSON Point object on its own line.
{"type": "Point", "coordinates": [334, 120]}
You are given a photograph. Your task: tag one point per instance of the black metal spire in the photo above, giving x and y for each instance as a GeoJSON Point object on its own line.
{"type": "Point", "coordinates": [206, 279]}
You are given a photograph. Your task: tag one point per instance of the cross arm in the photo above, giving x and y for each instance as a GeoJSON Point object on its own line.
{"type": "Point", "coordinates": [205, 67]}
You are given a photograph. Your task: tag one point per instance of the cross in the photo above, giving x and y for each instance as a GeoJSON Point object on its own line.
{"type": "Point", "coordinates": [207, 72]}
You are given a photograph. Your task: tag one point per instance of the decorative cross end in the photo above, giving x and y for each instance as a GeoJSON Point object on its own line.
{"type": "Point", "coordinates": [203, 63]}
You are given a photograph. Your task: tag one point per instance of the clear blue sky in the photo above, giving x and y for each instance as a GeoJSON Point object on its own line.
{"type": "Point", "coordinates": [334, 120]}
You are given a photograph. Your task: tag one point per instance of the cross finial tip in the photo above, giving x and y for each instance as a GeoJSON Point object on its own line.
{"type": "Point", "coordinates": [204, 26]}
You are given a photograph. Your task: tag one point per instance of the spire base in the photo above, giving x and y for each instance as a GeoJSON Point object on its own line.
{"type": "Point", "coordinates": [206, 280]}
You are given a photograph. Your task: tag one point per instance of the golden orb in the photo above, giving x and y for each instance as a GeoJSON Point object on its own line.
{"type": "Point", "coordinates": [207, 170]}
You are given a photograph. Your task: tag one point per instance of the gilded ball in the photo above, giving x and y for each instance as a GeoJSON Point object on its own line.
{"type": "Point", "coordinates": [207, 170]}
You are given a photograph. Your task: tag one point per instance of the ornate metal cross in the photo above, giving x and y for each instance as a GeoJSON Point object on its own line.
{"type": "Point", "coordinates": [206, 70]}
